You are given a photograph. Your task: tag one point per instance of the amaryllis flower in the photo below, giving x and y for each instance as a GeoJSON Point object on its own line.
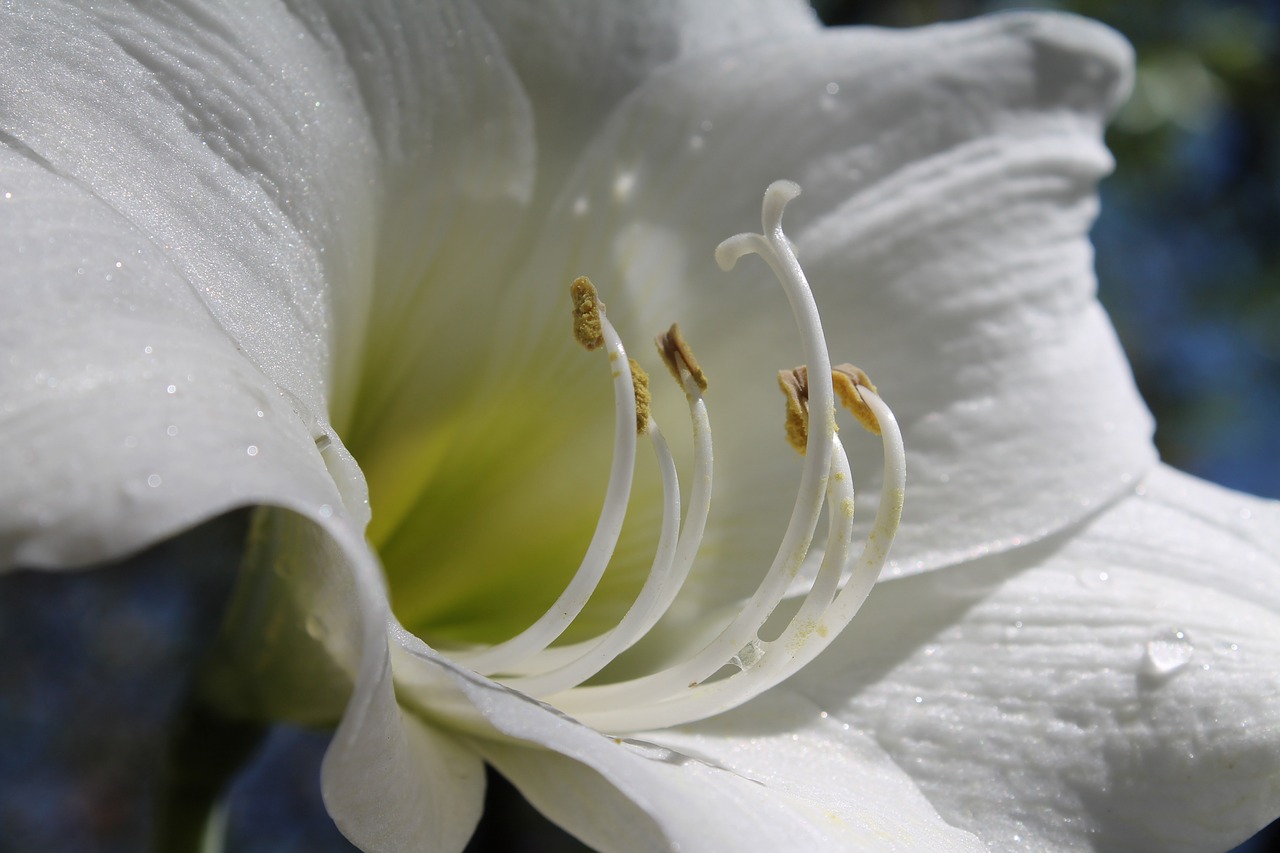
{"type": "Point", "coordinates": [315, 258]}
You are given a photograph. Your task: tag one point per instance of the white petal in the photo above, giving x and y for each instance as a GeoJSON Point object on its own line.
{"type": "Point", "coordinates": [454, 134]}
{"type": "Point", "coordinates": [576, 61]}
{"type": "Point", "coordinates": [128, 414]}
{"type": "Point", "coordinates": [766, 780]}
{"type": "Point", "coordinates": [229, 141]}
{"type": "Point", "coordinates": [306, 640]}
{"type": "Point", "coordinates": [1110, 689]}
{"type": "Point", "coordinates": [949, 185]}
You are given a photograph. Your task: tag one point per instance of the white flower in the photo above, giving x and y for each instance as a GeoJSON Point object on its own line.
{"type": "Point", "coordinates": [267, 257]}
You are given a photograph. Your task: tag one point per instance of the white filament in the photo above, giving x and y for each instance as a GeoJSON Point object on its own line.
{"type": "Point", "coordinates": [542, 633]}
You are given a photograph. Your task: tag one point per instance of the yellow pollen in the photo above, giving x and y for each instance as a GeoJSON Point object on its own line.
{"type": "Point", "coordinates": [795, 387]}
{"type": "Point", "coordinates": [847, 379]}
{"type": "Point", "coordinates": [586, 313]}
{"type": "Point", "coordinates": [675, 352]}
{"type": "Point", "coordinates": [640, 380]}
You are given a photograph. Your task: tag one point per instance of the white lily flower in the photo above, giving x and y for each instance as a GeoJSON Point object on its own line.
{"type": "Point", "coordinates": [313, 258]}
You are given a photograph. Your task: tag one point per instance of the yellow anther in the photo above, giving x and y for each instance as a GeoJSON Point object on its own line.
{"type": "Point", "coordinates": [795, 387]}
{"type": "Point", "coordinates": [847, 379]}
{"type": "Point", "coordinates": [586, 313]}
{"type": "Point", "coordinates": [676, 353]}
{"type": "Point", "coordinates": [640, 380]}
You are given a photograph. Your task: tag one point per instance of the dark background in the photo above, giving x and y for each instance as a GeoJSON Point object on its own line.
{"type": "Point", "coordinates": [96, 664]}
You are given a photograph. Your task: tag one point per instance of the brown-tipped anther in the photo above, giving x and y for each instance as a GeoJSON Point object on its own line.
{"type": "Point", "coordinates": [587, 306]}
{"type": "Point", "coordinates": [795, 387]}
{"type": "Point", "coordinates": [676, 353]}
{"type": "Point", "coordinates": [640, 381]}
{"type": "Point", "coordinates": [847, 379]}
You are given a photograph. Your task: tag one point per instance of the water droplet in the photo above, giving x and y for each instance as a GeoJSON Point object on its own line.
{"type": "Point", "coordinates": [706, 125]}
{"type": "Point", "coordinates": [833, 88]}
{"type": "Point", "coordinates": [154, 481]}
{"type": "Point", "coordinates": [1166, 656]}
{"type": "Point", "coordinates": [252, 450]}
{"type": "Point", "coordinates": [261, 413]}
{"type": "Point", "coordinates": [147, 350]}
{"type": "Point", "coordinates": [919, 700]}
{"type": "Point", "coordinates": [326, 511]}
{"type": "Point", "coordinates": [171, 430]}
{"type": "Point", "coordinates": [1092, 578]}
{"type": "Point", "coordinates": [172, 389]}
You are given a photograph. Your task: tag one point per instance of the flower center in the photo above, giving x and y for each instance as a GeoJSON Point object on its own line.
{"type": "Point", "coordinates": [736, 664]}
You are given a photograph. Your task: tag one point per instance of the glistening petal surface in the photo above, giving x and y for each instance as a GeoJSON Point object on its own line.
{"type": "Point", "coordinates": [1110, 689]}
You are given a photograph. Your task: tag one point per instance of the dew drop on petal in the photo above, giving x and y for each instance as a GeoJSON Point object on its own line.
{"type": "Point", "coordinates": [1166, 656]}
{"type": "Point", "coordinates": [154, 481]}
{"type": "Point", "coordinates": [252, 450]}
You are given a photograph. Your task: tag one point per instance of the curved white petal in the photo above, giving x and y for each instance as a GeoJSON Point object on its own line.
{"type": "Point", "coordinates": [769, 779]}
{"type": "Point", "coordinates": [128, 413]}
{"type": "Point", "coordinates": [456, 164]}
{"type": "Point", "coordinates": [227, 139]}
{"type": "Point", "coordinates": [576, 60]}
{"type": "Point", "coordinates": [949, 185]}
{"type": "Point", "coordinates": [1112, 688]}
{"type": "Point", "coordinates": [390, 781]}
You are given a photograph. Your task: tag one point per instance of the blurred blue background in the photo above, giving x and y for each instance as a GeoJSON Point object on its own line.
{"type": "Point", "coordinates": [97, 664]}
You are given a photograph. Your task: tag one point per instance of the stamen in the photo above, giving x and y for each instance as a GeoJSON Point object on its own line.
{"type": "Point", "coordinates": [505, 656]}
{"type": "Point", "coordinates": [795, 386]}
{"type": "Point", "coordinates": [677, 355]}
{"type": "Point", "coordinates": [847, 379]}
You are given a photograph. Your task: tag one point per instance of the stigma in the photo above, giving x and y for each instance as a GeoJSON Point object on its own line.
{"type": "Point", "coordinates": [736, 664]}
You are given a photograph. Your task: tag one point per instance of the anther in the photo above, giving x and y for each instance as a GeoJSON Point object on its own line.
{"type": "Point", "coordinates": [676, 354]}
{"type": "Point", "coordinates": [795, 387]}
{"type": "Point", "coordinates": [587, 329]}
{"type": "Point", "coordinates": [847, 379]}
{"type": "Point", "coordinates": [640, 382]}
